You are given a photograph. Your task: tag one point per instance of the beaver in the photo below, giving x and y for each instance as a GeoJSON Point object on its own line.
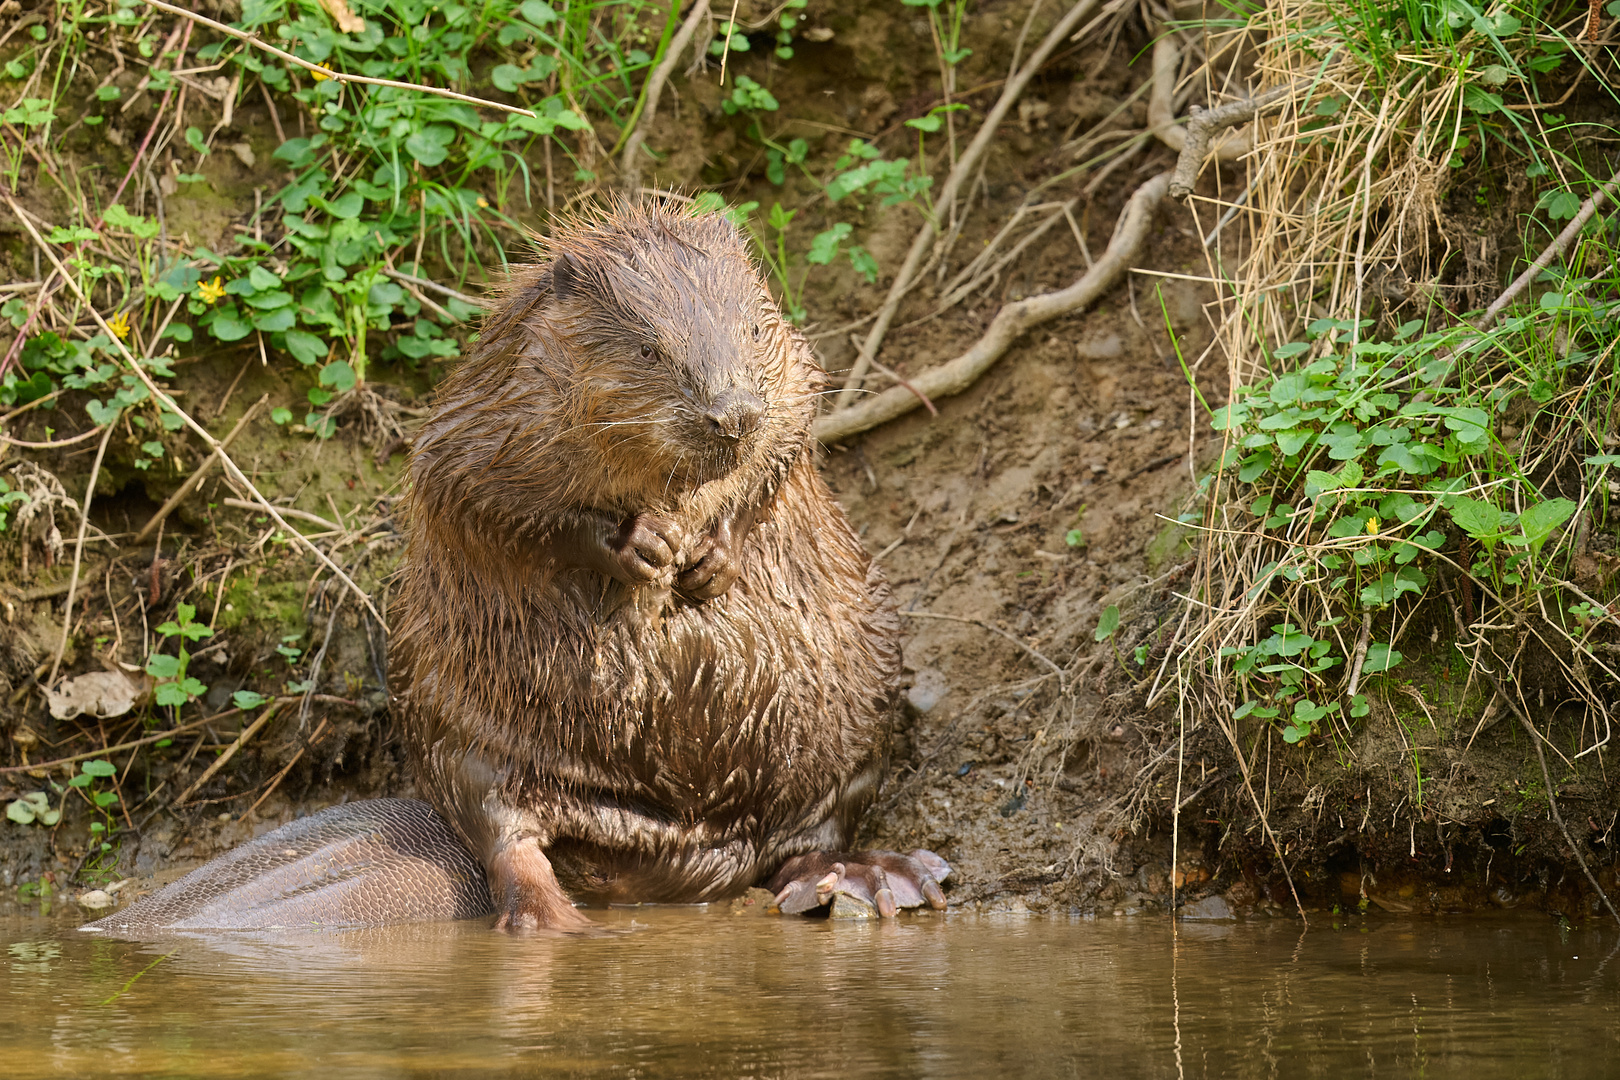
{"type": "Point", "coordinates": [642, 655]}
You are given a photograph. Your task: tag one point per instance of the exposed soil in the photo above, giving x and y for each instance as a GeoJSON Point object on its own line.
{"type": "Point", "coordinates": [1007, 524]}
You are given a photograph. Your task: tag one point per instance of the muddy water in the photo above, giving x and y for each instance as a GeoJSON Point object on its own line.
{"type": "Point", "coordinates": [695, 992]}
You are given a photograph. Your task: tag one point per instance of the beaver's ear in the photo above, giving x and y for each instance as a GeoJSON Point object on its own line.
{"type": "Point", "coordinates": [565, 274]}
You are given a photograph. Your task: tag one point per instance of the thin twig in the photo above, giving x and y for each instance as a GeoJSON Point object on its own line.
{"type": "Point", "coordinates": [903, 381]}
{"type": "Point", "coordinates": [57, 444]}
{"type": "Point", "coordinates": [47, 766]}
{"type": "Point", "coordinates": [1559, 245]}
{"type": "Point", "coordinates": [328, 73]}
{"type": "Point", "coordinates": [196, 477]}
{"type": "Point", "coordinates": [1360, 657]}
{"type": "Point", "coordinates": [287, 511]}
{"type": "Point", "coordinates": [412, 279]}
{"type": "Point", "coordinates": [78, 555]}
{"type": "Point", "coordinates": [276, 780]}
{"type": "Point", "coordinates": [229, 752]}
{"type": "Point", "coordinates": [315, 665]}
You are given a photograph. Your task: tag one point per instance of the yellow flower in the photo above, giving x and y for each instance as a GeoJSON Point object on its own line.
{"type": "Point", "coordinates": [316, 72]}
{"type": "Point", "coordinates": [1372, 526]}
{"type": "Point", "coordinates": [119, 324]}
{"type": "Point", "coordinates": [483, 203]}
{"type": "Point", "coordinates": [210, 291]}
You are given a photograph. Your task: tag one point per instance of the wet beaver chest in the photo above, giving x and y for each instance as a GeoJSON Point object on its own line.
{"type": "Point", "coordinates": [669, 750]}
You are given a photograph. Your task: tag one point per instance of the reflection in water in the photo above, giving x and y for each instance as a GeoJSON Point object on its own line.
{"type": "Point", "coordinates": [681, 992]}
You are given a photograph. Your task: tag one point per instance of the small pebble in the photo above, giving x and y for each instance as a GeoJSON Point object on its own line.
{"type": "Point", "coordinates": [845, 906]}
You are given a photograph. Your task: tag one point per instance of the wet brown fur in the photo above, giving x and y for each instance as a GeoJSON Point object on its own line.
{"type": "Point", "coordinates": [653, 747]}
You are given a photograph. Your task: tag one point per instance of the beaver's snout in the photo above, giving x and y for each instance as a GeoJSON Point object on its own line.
{"type": "Point", "coordinates": [734, 414]}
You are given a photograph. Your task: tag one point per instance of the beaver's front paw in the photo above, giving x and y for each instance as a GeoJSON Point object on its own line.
{"type": "Point", "coordinates": [644, 547]}
{"type": "Point", "coordinates": [886, 880]}
{"type": "Point", "coordinates": [526, 892]}
{"type": "Point", "coordinates": [715, 562]}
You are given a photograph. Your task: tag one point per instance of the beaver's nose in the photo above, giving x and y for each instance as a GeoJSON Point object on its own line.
{"type": "Point", "coordinates": [735, 413]}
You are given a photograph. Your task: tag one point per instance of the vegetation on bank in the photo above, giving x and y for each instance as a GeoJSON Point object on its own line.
{"type": "Point", "coordinates": [1411, 529]}
{"type": "Point", "coordinates": [1408, 536]}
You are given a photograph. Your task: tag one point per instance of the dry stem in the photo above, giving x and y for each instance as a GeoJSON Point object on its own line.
{"type": "Point", "coordinates": [196, 477]}
{"type": "Point", "coordinates": [78, 555]}
{"type": "Point", "coordinates": [630, 163]}
{"type": "Point", "coordinates": [229, 752]}
{"type": "Point", "coordinates": [965, 165]}
{"type": "Point", "coordinates": [1559, 245]}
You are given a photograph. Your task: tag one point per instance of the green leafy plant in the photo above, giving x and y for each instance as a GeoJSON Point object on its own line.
{"type": "Point", "coordinates": [91, 782]}
{"type": "Point", "coordinates": [1365, 487]}
{"type": "Point", "coordinates": [175, 687]}
{"type": "Point", "coordinates": [9, 499]}
{"type": "Point", "coordinates": [33, 808]}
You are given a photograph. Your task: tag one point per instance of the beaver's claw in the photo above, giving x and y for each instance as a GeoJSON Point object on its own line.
{"type": "Point", "coordinates": [716, 560]}
{"type": "Point", "coordinates": [886, 880]}
{"type": "Point", "coordinates": [643, 547]}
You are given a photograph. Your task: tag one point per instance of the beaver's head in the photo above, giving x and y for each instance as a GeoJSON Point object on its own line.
{"type": "Point", "coordinates": [678, 355]}
{"type": "Point", "coordinates": [641, 361]}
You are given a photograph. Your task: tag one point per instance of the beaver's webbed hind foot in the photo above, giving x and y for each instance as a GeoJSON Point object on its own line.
{"type": "Point", "coordinates": [527, 896]}
{"type": "Point", "coordinates": [886, 880]}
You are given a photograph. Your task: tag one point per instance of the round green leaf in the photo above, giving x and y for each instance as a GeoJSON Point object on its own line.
{"type": "Point", "coordinates": [306, 347]}
{"type": "Point", "coordinates": [430, 146]}
{"type": "Point", "coordinates": [229, 326]}
{"type": "Point", "coordinates": [338, 375]}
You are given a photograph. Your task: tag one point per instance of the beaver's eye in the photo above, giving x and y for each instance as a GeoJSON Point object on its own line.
{"type": "Point", "coordinates": [646, 352]}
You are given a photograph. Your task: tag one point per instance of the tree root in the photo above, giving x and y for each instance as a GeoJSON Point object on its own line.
{"type": "Point", "coordinates": [1010, 323]}
{"type": "Point", "coordinates": [1192, 141]}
